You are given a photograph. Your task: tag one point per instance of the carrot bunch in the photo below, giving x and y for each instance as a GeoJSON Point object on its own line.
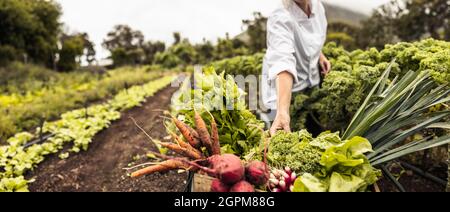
{"type": "Point", "coordinates": [190, 148]}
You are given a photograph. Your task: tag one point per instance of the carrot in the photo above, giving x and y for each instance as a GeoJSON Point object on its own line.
{"type": "Point", "coordinates": [214, 136]}
{"type": "Point", "coordinates": [185, 145]}
{"type": "Point", "coordinates": [180, 150]}
{"type": "Point", "coordinates": [196, 143]}
{"type": "Point", "coordinates": [203, 132]}
{"type": "Point", "coordinates": [162, 167]}
{"type": "Point", "coordinates": [188, 133]}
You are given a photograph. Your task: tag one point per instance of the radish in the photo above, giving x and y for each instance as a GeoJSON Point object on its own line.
{"type": "Point", "coordinates": [282, 180]}
{"type": "Point", "coordinates": [227, 167]}
{"type": "Point", "coordinates": [287, 170]}
{"type": "Point", "coordinates": [242, 186]}
{"type": "Point", "coordinates": [257, 173]}
{"type": "Point", "coordinates": [274, 181]}
{"type": "Point", "coordinates": [283, 186]}
{"type": "Point", "coordinates": [218, 186]}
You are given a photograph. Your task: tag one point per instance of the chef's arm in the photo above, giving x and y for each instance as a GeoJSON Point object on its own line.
{"type": "Point", "coordinates": [285, 82]}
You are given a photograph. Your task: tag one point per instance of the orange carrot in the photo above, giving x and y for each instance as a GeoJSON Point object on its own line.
{"type": "Point", "coordinates": [203, 132]}
{"type": "Point", "coordinates": [185, 145]}
{"type": "Point", "coordinates": [180, 150]}
{"type": "Point", "coordinates": [214, 136]}
{"type": "Point", "coordinates": [162, 167]}
{"type": "Point", "coordinates": [188, 133]}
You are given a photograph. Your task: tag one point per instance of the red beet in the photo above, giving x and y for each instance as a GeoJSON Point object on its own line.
{"type": "Point", "coordinates": [257, 173]}
{"type": "Point", "coordinates": [228, 168]}
{"type": "Point", "coordinates": [218, 186]}
{"type": "Point", "coordinates": [242, 186]}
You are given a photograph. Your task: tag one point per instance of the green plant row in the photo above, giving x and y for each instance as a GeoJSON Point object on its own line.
{"type": "Point", "coordinates": [19, 112]}
{"type": "Point", "coordinates": [354, 73]}
{"type": "Point", "coordinates": [76, 127]}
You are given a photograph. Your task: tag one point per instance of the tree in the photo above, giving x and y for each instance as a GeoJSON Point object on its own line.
{"type": "Point", "coordinates": [256, 30]}
{"type": "Point", "coordinates": [181, 53]}
{"type": "Point", "coordinates": [420, 18]}
{"type": "Point", "coordinates": [72, 49]}
{"type": "Point", "coordinates": [150, 50]}
{"type": "Point", "coordinates": [378, 30]}
{"type": "Point", "coordinates": [120, 57]}
{"type": "Point", "coordinates": [205, 51]}
{"type": "Point", "coordinates": [167, 59]}
{"type": "Point", "coordinates": [123, 37]}
{"type": "Point", "coordinates": [89, 50]}
{"type": "Point", "coordinates": [176, 38]}
{"type": "Point", "coordinates": [125, 41]}
{"type": "Point", "coordinates": [227, 48]}
{"type": "Point", "coordinates": [31, 28]}
{"type": "Point", "coordinates": [406, 20]}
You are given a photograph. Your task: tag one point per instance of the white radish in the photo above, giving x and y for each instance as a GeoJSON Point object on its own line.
{"type": "Point", "coordinates": [293, 176]}
{"type": "Point", "coordinates": [272, 176]}
{"type": "Point", "coordinates": [285, 175]}
{"type": "Point", "coordinates": [288, 170]}
{"type": "Point", "coordinates": [274, 181]}
{"type": "Point", "coordinates": [276, 174]}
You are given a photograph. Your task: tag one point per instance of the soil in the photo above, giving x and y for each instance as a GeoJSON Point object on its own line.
{"type": "Point", "coordinates": [413, 182]}
{"type": "Point", "coordinates": [101, 168]}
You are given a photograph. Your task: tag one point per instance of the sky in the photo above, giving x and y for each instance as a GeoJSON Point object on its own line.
{"type": "Point", "coordinates": [158, 19]}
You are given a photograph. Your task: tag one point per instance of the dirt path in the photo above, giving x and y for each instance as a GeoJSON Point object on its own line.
{"type": "Point", "coordinates": [100, 168]}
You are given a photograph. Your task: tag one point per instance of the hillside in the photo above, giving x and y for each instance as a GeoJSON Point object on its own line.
{"type": "Point", "coordinates": [337, 13]}
{"type": "Point", "coordinates": [334, 14]}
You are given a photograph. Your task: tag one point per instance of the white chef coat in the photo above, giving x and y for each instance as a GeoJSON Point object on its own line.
{"type": "Point", "coordinates": [294, 44]}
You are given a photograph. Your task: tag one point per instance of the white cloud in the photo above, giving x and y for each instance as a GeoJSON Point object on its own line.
{"type": "Point", "coordinates": [157, 19]}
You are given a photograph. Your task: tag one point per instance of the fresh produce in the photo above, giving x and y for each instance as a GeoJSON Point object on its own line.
{"type": "Point", "coordinates": [282, 180]}
{"type": "Point", "coordinates": [228, 168]}
{"type": "Point", "coordinates": [257, 173]}
{"type": "Point", "coordinates": [162, 167]}
{"type": "Point", "coordinates": [333, 105]}
{"type": "Point", "coordinates": [203, 133]}
{"type": "Point", "coordinates": [218, 186]}
{"type": "Point", "coordinates": [215, 137]}
{"type": "Point", "coordinates": [295, 151]}
{"type": "Point", "coordinates": [77, 127]}
{"type": "Point", "coordinates": [242, 186]}
{"type": "Point", "coordinates": [190, 134]}
{"type": "Point", "coordinates": [399, 111]}
{"type": "Point", "coordinates": [332, 164]}
{"type": "Point", "coordinates": [238, 129]}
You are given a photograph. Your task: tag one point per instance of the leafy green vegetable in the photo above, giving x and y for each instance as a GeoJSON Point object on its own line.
{"type": "Point", "coordinates": [325, 163]}
{"type": "Point", "coordinates": [239, 130]}
{"type": "Point", "coordinates": [295, 151]}
{"type": "Point", "coordinates": [355, 73]}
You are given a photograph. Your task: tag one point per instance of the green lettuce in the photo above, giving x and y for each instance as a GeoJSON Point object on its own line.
{"type": "Point", "coordinates": [344, 166]}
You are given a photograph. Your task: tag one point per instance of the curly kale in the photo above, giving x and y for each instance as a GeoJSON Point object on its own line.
{"type": "Point", "coordinates": [294, 150]}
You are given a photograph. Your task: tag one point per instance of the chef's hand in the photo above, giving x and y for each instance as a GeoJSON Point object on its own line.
{"type": "Point", "coordinates": [325, 64]}
{"type": "Point", "coordinates": [282, 122]}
